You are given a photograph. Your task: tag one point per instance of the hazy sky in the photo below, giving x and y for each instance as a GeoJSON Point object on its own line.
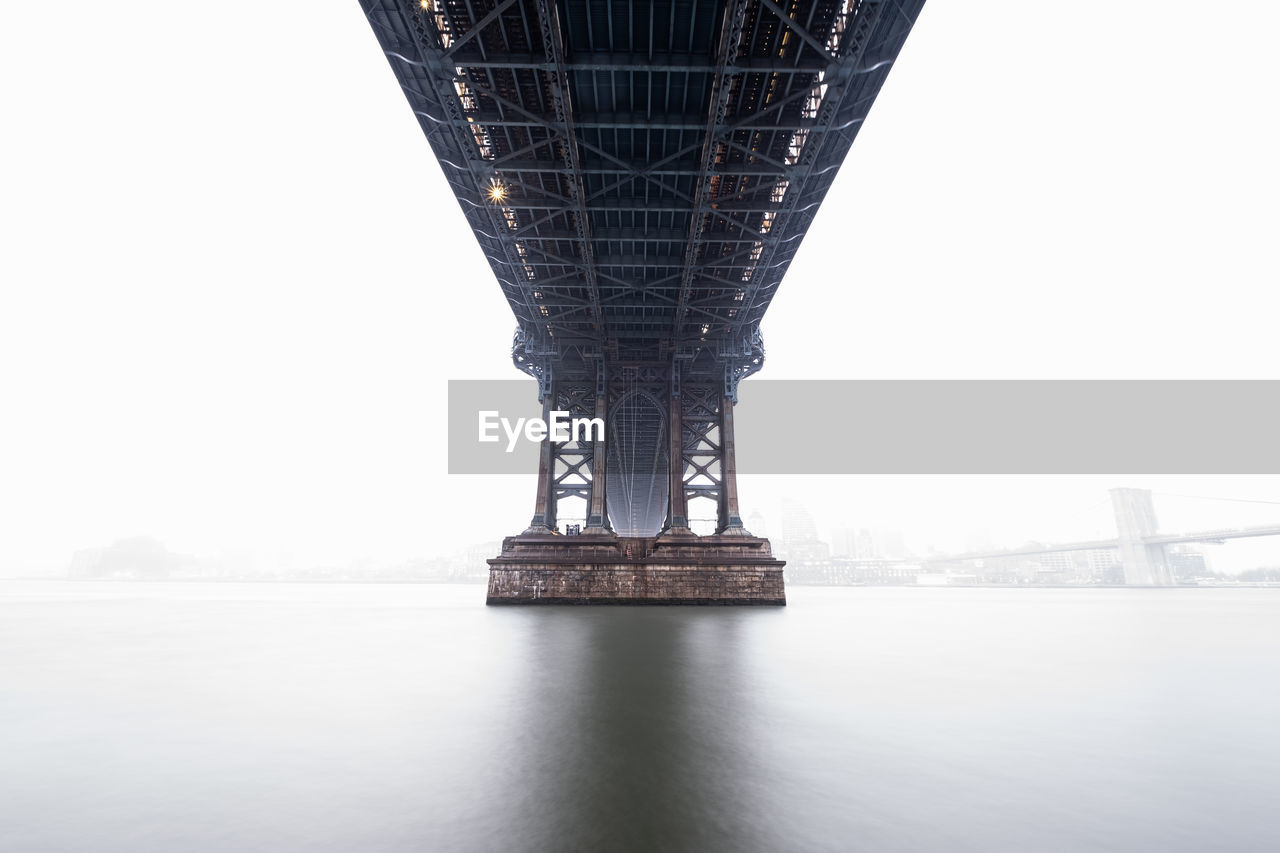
{"type": "Point", "coordinates": [234, 283]}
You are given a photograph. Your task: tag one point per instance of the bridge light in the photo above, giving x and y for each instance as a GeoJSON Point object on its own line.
{"type": "Point", "coordinates": [425, 4]}
{"type": "Point", "coordinates": [497, 191]}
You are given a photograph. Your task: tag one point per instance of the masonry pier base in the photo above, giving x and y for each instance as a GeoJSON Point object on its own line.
{"type": "Point", "coordinates": [542, 569]}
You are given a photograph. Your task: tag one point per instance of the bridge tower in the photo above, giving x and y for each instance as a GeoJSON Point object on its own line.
{"type": "Point", "coordinates": [1144, 564]}
{"type": "Point", "coordinates": [668, 443]}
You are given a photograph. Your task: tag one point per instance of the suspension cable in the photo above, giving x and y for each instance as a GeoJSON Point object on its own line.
{"type": "Point", "coordinates": [1208, 498]}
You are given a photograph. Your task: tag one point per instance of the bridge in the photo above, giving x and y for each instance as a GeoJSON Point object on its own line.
{"type": "Point", "coordinates": [1140, 545]}
{"type": "Point", "coordinates": [639, 177]}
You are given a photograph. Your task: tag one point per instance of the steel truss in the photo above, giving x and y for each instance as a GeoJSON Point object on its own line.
{"type": "Point", "coordinates": [644, 408]}
{"type": "Point", "coordinates": [658, 163]}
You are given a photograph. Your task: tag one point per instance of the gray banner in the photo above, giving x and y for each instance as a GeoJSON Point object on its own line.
{"type": "Point", "coordinates": [944, 427]}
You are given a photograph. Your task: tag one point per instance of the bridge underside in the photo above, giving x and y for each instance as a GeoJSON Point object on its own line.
{"type": "Point", "coordinates": [639, 177]}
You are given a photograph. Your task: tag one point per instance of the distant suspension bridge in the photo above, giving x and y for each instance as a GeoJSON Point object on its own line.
{"type": "Point", "coordinates": [1141, 546]}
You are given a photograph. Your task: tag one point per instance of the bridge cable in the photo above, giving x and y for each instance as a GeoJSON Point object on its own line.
{"type": "Point", "coordinates": [1208, 498]}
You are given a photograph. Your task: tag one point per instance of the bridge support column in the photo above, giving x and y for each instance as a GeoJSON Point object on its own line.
{"type": "Point", "coordinates": [597, 515]}
{"type": "Point", "coordinates": [544, 507]}
{"type": "Point", "coordinates": [730, 520]}
{"type": "Point", "coordinates": [677, 501]}
{"type": "Point", "coordinates": [1144, 565]}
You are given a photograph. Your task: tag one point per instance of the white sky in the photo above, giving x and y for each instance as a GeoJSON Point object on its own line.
{"type": "Point", "coordinates": [233, 283]}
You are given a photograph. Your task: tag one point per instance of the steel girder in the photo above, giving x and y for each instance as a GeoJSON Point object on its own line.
{"type": "Point", "coordinates": [572, 460]}
{"type": "Point", "coordinates": [640, 175]}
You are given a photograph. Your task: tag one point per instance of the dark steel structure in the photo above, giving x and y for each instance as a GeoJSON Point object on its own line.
{"type": "Point", "coordinates": [640, 176]}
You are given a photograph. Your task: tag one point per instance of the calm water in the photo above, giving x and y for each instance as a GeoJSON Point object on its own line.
{"type": "Point", "coordinates": [201, 717]}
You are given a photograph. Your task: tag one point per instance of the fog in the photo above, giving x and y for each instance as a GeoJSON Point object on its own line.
{"type": "Point", "coordinates": [234, 283]}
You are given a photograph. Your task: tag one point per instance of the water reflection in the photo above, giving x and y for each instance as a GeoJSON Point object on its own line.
{"type": "Point", "coordinates": [148, 718]}
{"type": "Point", "coordinates": [638, 733]}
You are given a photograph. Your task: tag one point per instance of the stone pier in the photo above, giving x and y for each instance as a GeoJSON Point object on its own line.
{"type": "Point", "coordinates": [541, 569]}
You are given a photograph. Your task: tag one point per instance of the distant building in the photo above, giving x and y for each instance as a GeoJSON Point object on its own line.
{"type": "Point", "coordinates": [1187, 561]}
{"type": "Point", "coordinates": [474, 568]}
{"type": "Point", "coordinates": [797, 523]}
{"type": "Point", "coordinates": [864, 547]}
{"type": "Point", "coordinates": [851, 571]}
{"type": "Point", "coordinates": [844, 542]}
{"type": "Point", "coordinates": [888, 542]}
{"type": "Point", "coordinates": [800, 542]}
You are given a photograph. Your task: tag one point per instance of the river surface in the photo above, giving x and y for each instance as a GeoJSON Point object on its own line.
{"type": "Point", "coordinates": [140, 717]}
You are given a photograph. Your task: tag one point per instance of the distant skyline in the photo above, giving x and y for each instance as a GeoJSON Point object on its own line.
{"type": "Point", "coordinates": [938, 514]}
{"type": "Point", "coordinates": [231, 296]}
